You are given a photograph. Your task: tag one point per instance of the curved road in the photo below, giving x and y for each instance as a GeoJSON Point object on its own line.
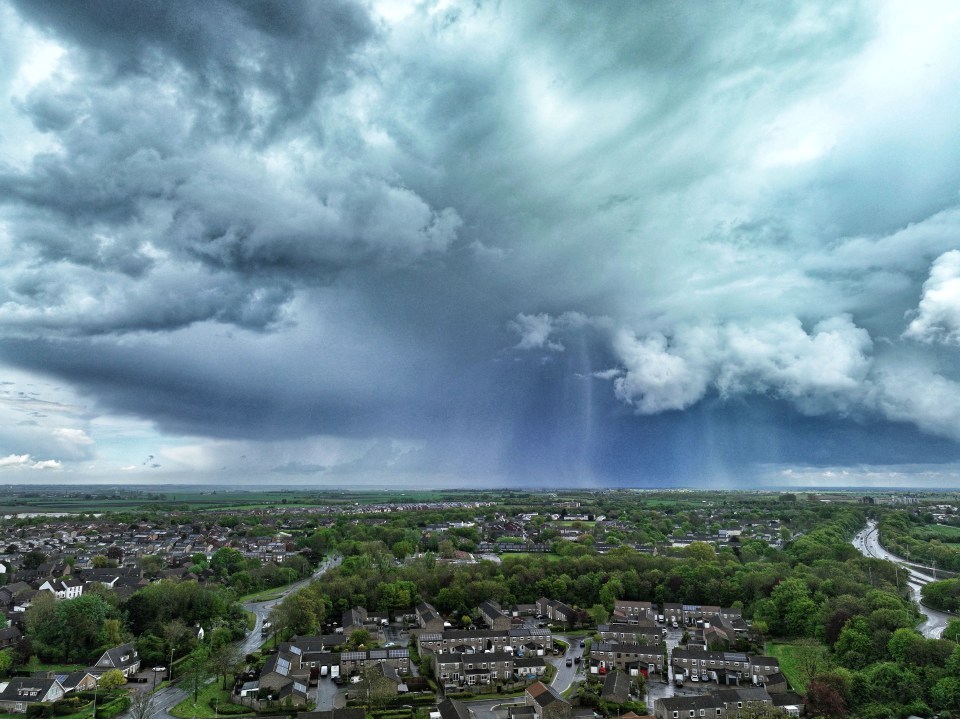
{"type": "Point", "coordinates": [168, 697]}
{"type": "Point", "coordinates": [868, 542]}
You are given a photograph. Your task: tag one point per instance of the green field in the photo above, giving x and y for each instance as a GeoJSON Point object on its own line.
{"type": "Point", "coordinates": [531, 555]}
{"type": "Point", "coordinates": [787, 654]}
{"type": "Point", "coordinates": [202, 709]}
{"type": "Point", "coordinates": [951, 534]}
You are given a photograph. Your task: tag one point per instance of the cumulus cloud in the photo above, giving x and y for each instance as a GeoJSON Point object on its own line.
{"type": "Point", "coordinates": [70, 435]}
{"type": "Point", "coordinates": [938, 314]}
{"type": "Point", "coordinates": [14, 461]}
{"type": "Point", "coordinates": [819, 371]}
{"type": "Point", "coordinates": [535, 331]}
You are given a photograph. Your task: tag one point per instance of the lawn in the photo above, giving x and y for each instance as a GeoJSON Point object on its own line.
{"type": "Point", "coordinates": [531, 555]}
{"type": "Point", "coordinates": [787, 654]}
{"type": "Point", "coordinates": [202, 709]}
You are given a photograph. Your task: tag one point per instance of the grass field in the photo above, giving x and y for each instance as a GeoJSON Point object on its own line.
{"type": "Point", "coordinates": [530, 555]}
{"type": "Point", "coordinates": [942, 530]}
{"type": "Point", "coordinates": [187, 709]}
{"type": "Point", "coordinates": [787, 654]}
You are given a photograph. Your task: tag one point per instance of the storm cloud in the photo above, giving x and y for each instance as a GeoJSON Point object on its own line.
{"type": "Point", "coordinates": [634, 243]}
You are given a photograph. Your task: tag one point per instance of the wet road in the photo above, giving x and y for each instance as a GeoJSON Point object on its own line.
{"type": "Point", "coordinates": [868, 542]}
{"type": "Point", "coordinates": [262, 609]}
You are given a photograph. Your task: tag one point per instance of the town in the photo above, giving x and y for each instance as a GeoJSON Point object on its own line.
{"type": "Point", "coordinates": [509, 605]}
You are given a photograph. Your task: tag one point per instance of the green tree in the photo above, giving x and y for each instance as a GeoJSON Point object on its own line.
{"type": "Point", "coordinates": [6, 660]}
{"type": "Point", "coordinates": [195, 669]}
{"type": "Point", "coordinates": [112, 679]}
{"type": "Point", "coordinates": [226, 561]}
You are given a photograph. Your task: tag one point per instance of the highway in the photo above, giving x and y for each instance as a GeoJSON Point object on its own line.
{"type": "Point", "coordinates": [868, 542]}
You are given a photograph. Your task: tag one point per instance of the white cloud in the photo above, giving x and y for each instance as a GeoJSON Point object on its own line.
{"type": "Point", "coordinates": [535, 331]}
{"type": "Point", "coordinates": [938, 314]}
{"type": "Point", "coordinates": [14, 460]}
{"type": "Point", "coordinates": [46, 464]}
{"type": "Point", "coordinates": [819, 371]}
{"type": "Point", "coordinates": [72, 436]}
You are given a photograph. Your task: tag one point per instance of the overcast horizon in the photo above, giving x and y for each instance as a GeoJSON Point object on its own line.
{"type": "Point", "coordinates": [480, 244]}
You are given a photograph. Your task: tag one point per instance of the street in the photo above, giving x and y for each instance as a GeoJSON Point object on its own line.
{"type": "Point", "coordinates": [168, 697]}
{"type": "Point", "coordinates": [868, 542]}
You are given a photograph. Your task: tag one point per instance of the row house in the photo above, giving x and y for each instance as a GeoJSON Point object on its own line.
{"type": "Point", "coordinates": [633, 659]}
{"type": "Point", "coordinates": [724, 703]}
{"type": "Point", "coordinates": [522, 640]}
{"type": "Point", "coordinates": [485, 668]}
{"type": "Point", "coordinates": [356, 662]}
{"type": "Point", "coordinates": [693, 612]}
{"type": "Point", "coordinates": [557, 612]}
{"type": "Point", "coordinates": [733, 665]}
{"type": "Point", "coordinates": [493, 616]}
{"type": "Point", "coordinates": [640, 633]}
{"type": "Point", "coordinates": [632, 612]}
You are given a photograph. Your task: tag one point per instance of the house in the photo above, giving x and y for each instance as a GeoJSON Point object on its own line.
{"type": "Point", "coordinates": [451, 709]}
{"type": "Point", "coordinates": [62, 588]}
{"type": "Point", "coordinates": [428, 618]}
{"type": "Point", "coordinates": [707, 706]}
{"type": "Point", "coordinates": [522, 640]}
{"type": "Point", "coordinates": [556, 612]}
{"type": "Point", "coordinates": [20, 692]}
{"type": "Point", "coordinates": [483, 667]}
{"type": "Point", "coordinates": [546, 703]}
{"type": "Point", "coordinates": [633, 659]}
{"type": "Point", "coordinates": [9, 636]}
{"type": "Point", "coordinates": [279, 671]}
{"type": "Point", "coordinates": [356, 662]}
{"type": "Point", "coordinates": [642, 632]}
{"type": "Point", "coordinates": [631, 612]}
{"type": "Point", "coordinates": [123, 657]}
{"type": "Point", "coordinates": [742, 698]}
{"type": "Point", "coordinates": [616, 688]}
{"type": "Point", "coordinates": [493, 617]}
{"type": "Point", "coordinates": [81, 681]}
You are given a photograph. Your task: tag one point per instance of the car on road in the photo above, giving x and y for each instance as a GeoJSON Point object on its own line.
{"type": "Point", "coordinates": [576, 660]}
{"type": "Point", "coordinates": [582, 644]}
{"type": "Point", "coordinates": [569, 662]}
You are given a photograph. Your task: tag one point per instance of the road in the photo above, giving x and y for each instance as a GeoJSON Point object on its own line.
{"type": "Point", "coordinates": [565, 675]}
{"type": "Point", "coordinates": [168, 697]}
{"type": "Point", "coordinates": [868, 542]}
{"type": "Point", "coordinates": [262, 609]}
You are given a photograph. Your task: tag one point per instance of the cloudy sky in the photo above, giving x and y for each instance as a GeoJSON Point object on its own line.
{"type": "Point", "coordinates": [480, 243]}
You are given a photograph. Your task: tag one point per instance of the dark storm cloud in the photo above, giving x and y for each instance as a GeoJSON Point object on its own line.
{"type": "Point", "coordinates": [547, 240]}
{"type": "Point", "coordinates": [287, 50]}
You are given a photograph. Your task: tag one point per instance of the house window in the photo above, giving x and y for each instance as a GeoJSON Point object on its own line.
{"type": "Point", "coordinates": [676, 715]}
